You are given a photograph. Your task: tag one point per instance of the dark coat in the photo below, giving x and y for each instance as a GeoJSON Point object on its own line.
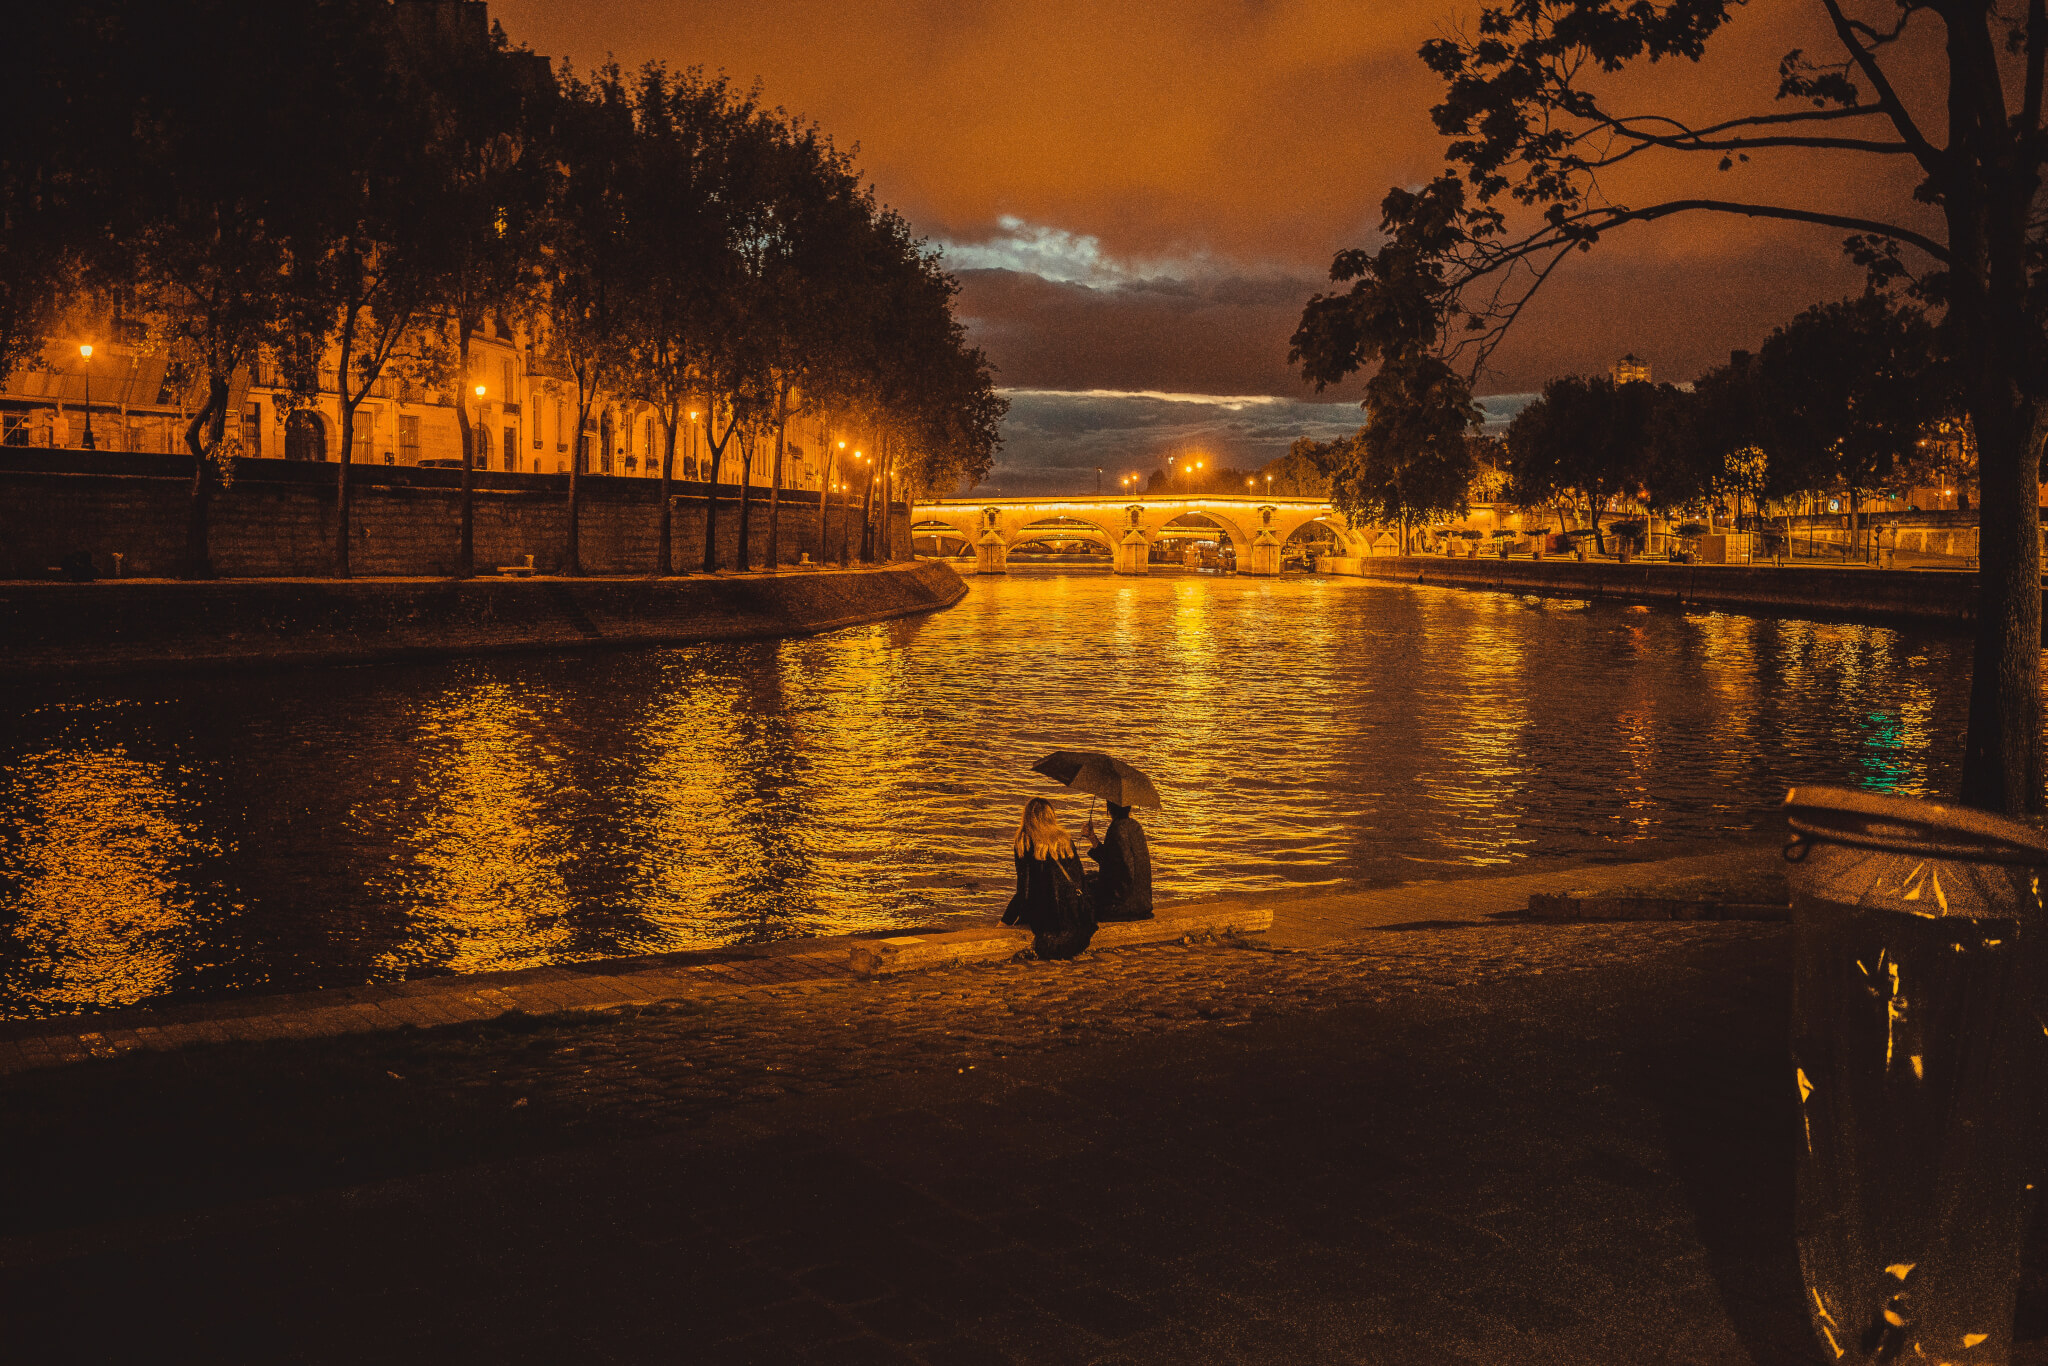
{"type": "Point", "coordinates": [1123, 890]}
{"type": "Point", "coordinates": [1051, 902]}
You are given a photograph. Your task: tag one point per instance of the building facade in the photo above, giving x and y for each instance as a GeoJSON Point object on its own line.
{"type": "Point", "coordinates": [122, 398]}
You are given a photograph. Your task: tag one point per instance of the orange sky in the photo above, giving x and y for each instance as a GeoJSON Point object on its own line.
{"type": "Point", "coordinates": [1178, 174]}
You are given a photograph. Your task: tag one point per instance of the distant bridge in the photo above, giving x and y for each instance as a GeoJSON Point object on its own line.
{"type": "Point", "coordinates": [1131, 525]}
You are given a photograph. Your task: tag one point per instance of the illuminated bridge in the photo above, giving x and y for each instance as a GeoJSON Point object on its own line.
{"type": "Point", "coordinates": [1129, 527]}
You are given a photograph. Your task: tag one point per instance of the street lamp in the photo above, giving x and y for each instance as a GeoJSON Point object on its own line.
{"type": "Point", "coordinates": [474, 444]}
{"type": "Point", "coordinates": [1098, 480]}
{"type": "Point", "coordinates": [85, 352]}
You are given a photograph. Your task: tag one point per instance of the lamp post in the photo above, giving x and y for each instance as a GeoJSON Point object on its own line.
{"type": "Point", "coordinates": [85, 353]}
{"type": "Point", "coordinates": [1269, 486]}
{"type": "Point", "coordinates": [476, 434]}
{"type": "Point", "coordinates": [1098, 481]}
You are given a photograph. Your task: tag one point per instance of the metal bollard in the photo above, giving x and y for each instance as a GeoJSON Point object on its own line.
{"type": "Point", "coordinates": [1917, 1050]}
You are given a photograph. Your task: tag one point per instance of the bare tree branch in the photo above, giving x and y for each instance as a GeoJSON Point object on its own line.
{"type": "Point", "coordinates": [1888, 98]}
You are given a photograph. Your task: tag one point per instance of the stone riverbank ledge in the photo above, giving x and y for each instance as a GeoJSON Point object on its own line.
{"type": "Point", "coordinates": [1743, 879]}
{"type": "Point", "coordinates": [1934, 597]}
{"type": "Point", "coordinates": [112, 627]}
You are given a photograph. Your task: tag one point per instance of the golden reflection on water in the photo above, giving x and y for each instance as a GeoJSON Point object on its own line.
{"type": "Point", "coordinates": [98, 908]}
{"type": "Point", "coordinates": [484, 859]}
{"type": "Point", "coordinates": [331, 826]}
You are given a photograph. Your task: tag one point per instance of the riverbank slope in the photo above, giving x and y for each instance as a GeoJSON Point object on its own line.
{"type": "Point", "coordinates": [1946, 597]}
{"type": "Point", "coordinates": [66, 630]}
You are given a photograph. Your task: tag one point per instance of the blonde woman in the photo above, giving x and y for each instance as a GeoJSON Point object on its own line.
{"type": "Point", "coordinates": [1051, 899]}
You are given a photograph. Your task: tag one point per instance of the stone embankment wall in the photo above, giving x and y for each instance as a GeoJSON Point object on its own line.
{"type": "Point", "coordinates": [277, 519]}
{"type": "Point", "coordinates": [57, 630]}
{"type": "Point", "coordinates": [1935, 596]}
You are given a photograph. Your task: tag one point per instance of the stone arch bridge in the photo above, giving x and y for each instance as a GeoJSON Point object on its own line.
{"type": "Point", "coordinates": [1130, 525]}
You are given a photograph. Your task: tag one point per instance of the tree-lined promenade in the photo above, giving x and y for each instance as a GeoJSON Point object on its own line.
{"type": "Point", "coordinates": [357, 190]}
{"type": "Point", "coordinates": [1541, 99]}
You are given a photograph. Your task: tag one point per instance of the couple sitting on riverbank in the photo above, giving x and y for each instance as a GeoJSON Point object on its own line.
{"type": "Point", "coordinates": [1057, 899]}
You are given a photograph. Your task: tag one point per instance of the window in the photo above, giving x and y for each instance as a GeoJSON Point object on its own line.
{"type": "Point", "coordinates": [512, 448]}
{"type": "Point", "coordinates": [365, 435]}
{"type": "Point", "coordinates": [483, 446]}
{"type": "Point", "coordinates": [252, 430]}
{"type": "Point", "coordinates": [409, 440]}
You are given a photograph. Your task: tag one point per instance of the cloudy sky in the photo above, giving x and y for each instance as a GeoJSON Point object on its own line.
{"type": "Point", "coordinates": [1137, 198]}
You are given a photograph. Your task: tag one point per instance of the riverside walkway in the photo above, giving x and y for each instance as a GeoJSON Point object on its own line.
{"type": "Point", "coordinates": [1396, 1131]}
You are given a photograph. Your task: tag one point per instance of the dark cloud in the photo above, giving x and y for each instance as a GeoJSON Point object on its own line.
{"type": "Point", "coordinates": [1140, 196]}
{"type": "Point", "coordinates": [1056, 439]}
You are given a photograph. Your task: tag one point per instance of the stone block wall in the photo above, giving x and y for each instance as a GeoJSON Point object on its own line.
{"type": "Point", "coordinates": [277, 518]}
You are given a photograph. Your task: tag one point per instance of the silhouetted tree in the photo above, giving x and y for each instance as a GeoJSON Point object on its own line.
{"type": "Point", "coordinates": [1534, 107]}
{"type": "Point", "coordinates": [1846, 390]}
{"type": "Point", "coordinates": [1410, 462]}
{"type": "Point", "coordinates": [1584, 443]}
{"type": "Point", "coordinates": [491, 111]}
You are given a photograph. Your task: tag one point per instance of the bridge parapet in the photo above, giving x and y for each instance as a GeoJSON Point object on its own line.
{"type": "Point", "coordinates": [1259, 526]}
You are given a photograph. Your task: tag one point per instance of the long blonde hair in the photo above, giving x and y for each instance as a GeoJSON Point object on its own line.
{"type": "Point", "coordinates": [1040, 836]}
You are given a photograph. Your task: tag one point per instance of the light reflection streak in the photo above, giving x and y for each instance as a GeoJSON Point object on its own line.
{"type": "Point", "coordinates": [496, 813]}
{"type": "Point", "coordinates": [485, 860]}
{"type": "Point", "coordinates": [98, 913]}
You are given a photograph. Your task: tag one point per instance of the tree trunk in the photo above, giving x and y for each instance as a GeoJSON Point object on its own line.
{"type": "Point", "coordinates": [465, 550]}
{"type": "Point", "coordinates": [572, 559]}
{"type": "Point", "coordinates": [846, 523]}
{"type": "Point", "coordinates": [714, 450]}
{"type": "Point", "coordinates": [197, 562]}
{"type": "Point", "coordinates": [664, 559]}
{"type": "Point", "coordinates": [2002, 765]}
{"type": "Point", "coordinates": [867, 513]}
{"type": "Point", "coordinates": [888, 496]}
{"type": "Point", "coordinates": [825, 494]}
{"type": "Point", "coordinates": [341, 486]}
{"type": "Point", "coordinates": [775, 484]}
{"type": "Point", "coordinates": [742, 558]}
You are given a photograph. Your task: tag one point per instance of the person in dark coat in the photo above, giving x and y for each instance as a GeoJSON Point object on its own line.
{"type": "Point", "coordinates": [1123, 887]}
{"type": "Point", "coordinates": [1051, 900]}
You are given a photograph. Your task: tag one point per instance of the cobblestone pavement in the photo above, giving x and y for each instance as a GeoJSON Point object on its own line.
{"type": "Point", "coordinates": [1482, 1143]}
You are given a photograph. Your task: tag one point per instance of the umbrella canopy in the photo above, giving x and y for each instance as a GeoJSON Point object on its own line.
{"type": "Point", "coordinates": [1085, 770]}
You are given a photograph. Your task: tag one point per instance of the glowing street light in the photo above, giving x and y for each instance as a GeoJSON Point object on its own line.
{"type": "Point", "coordinates": [85, 353]}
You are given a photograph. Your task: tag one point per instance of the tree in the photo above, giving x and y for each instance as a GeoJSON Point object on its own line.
{"type": "Point", "coordinates": [58, 116]}
{"type": "Point", "coordinates": [591, 274]}
{"type": "Point", "coordinates": [359, 247]}
{"type": "Point", "coordinates": [1537, 121]}
{"type": "Point", "coordinates": [1304, 471]}
{"type": "Point", "coordinates": [1846, 389]}
{"type": "Point", "coordinates": [489, 109]}
{"type": "Point", "coordinates": [1585, 442]}
{"type": "Point", "coordinates": [678, 250]}
{"type": "Point", "coordinates": [213, 185]}
{"type": "Point", "coordinates": [1410, 462]}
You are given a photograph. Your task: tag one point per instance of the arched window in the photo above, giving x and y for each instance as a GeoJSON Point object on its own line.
{"type": "Point", "coordinates": [305, 436]}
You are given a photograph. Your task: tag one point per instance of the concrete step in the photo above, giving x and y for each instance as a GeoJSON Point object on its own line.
{"type": "Point", "coordinates": [993, 943]}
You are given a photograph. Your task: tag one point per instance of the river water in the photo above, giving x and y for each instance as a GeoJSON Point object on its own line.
{"type": "Point", "coordinates": [198, 836]}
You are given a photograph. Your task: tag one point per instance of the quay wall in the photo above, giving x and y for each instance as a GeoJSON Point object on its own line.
{"type": "Point", "coordinates": [81, 630]}
{"type": "Point", "coordinates": [1932, 596]}
{"type": "Point", "coordinates": [277, 519]}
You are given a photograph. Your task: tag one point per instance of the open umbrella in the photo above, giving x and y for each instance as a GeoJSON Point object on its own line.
{"type": "Point", "coordinates": [1085, 770]}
